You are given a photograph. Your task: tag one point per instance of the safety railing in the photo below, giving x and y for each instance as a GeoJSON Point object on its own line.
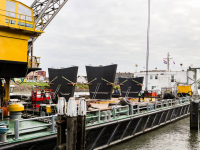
{"type": "Point", "coordinates": [97, 115]}
{"type": "Point", "coordinates": [20, 21]}
{"type": "Point", "coordinates": [33, 62]}
{"type": "Point", "coordinates": [126, 111]}
{"type": "Point", "coordinates": [17, 121]}
{"type": "Point", "coordinates": [118, 110]}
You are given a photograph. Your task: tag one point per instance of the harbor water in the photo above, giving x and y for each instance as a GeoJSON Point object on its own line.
{"type": "Point", "coordinates": [174, 136]}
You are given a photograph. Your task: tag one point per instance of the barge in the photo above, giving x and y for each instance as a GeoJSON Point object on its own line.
{"type": "Point", "coordinates": [103, 127]}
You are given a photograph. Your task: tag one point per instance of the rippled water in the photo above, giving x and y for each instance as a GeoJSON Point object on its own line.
{"type": "Point", "coordinates": [174, 136]}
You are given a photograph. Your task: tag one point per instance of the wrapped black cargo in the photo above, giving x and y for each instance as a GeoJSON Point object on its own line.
{"type": "Point", "coordinates": [62, 81]}
{"type": "Point", "coordinates": [101, 79]}
{"type": "Point", "coordinates": [132, 84]}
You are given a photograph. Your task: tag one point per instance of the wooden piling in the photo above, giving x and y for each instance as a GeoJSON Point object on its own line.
{"type": "Point", "coordinates": [61, 137]}
{"type": "Point", "coordinates": [61, 124]}
{"type": "Point", "coordinates": [71, 133]}
{"type": "Point", "coordinates": [194, 115]}
{"type": "Point", "coordinates": [81, 126]}
{"type": "Point", "coordinates": [81, 132]}
{"type": "Point", "coordinates": [71, 124]}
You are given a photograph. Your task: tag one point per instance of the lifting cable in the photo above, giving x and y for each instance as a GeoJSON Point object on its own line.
{"type": "Point", "coordinates": [107, 81]}
{"type": "Point", "coordinates": [69, 80]}
{"type": "Point", "coordinates": [92, 81]}
{"type": "Point", "coordinates": [54, 79]}
{"type": "Point", "coordinates": [137, 82]}
{"type": "Point", "coordinates": [124, 81]}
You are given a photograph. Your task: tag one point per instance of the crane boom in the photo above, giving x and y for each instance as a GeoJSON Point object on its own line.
{"type": "Point", "coordinates": [46, 10]}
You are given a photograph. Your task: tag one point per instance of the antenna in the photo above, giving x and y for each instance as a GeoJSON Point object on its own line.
{"type": "Point", "coordinates": [147, 57]}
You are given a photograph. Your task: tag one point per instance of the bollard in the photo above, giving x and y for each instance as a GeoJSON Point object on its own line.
{"type": "Point", "coordinates": [61, 124]}
{"type": "Point", "coordinates": [16, 129]}
{"type": "Point", "coordinates": [81, 128]}
{"type": "Point", "coordinates": [71, 124]}
{"type": "Point", "coordinates": [194, 115]}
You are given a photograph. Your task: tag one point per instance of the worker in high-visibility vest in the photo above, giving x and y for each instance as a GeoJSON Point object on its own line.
{"type": "Point", "coordinates": [43, 94]}
{"type": "Point", "coordinates": [139, 95]}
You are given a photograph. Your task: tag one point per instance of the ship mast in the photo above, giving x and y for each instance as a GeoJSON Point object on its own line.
{"type": "Point", "coordinates": [168, 61]}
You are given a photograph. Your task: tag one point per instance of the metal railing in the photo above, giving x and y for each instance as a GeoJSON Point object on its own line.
{"type": "Point", "coordinates": [17, 121]}
{"type": "Point", "coordinates": [130, 110]}
{"type": "Point", "coordinates": [33, 62]}
{"type": "Point", "coordinates": [20, 21]}
{"type": "Point", "coordinates": [98, 116]}
{"type": "Point", "coordinates": [117, 111]}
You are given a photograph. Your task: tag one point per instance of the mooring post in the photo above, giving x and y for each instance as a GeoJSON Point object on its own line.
{"type": "Point", "coordinates": [194, 114]}
{"type": "Point", "coordinates": [16, 129]}
{"type": "Point", "coordinates": [71, 124]}
{"type": "Point", "coordinates": [127, 108]}
{"type": "Point", "coordinates": [61, 124]}
{"type": "Point", "coordinates": [131, 109]}
{"type": "Point", "coordinates": [114, 112]}
{"type": "Point", "coordinates": [138, 108]}
{"type": "Point", "coordinates": [81, 128]}
{"type": "Point", "coordinates": [99, 115]}
{"type": "Point", "coordinates": [147, 107]}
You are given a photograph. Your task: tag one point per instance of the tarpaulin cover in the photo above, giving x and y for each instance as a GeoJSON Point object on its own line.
{"type": "Point", "coordinates": [105, 72]}
{"type": "Point", "coordinates": [135, 88]}
{"type": "Point", "coordinates": [68, 73]}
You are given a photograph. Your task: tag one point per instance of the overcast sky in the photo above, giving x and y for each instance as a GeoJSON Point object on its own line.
{"type": "Point", "coordinates": [101, 32]}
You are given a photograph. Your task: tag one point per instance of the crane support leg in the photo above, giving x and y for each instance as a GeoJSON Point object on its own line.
{"type": "Point", "coordinates": [7, 90]}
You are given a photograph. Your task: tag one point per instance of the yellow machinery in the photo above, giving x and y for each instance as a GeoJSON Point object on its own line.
{"type": "Point", "coordinates": [184, 90]}
{"type": "Point", "coordinates": [15, 110]}
{"type": "Point", "coordinates": [17, 26]}
{"type": "Point", "coordinates": [48, 109]}
{"type": "Point", "coordinates": [15, 107]}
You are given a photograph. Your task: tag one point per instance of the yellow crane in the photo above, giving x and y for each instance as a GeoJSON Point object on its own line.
{"type": "Point", "coordinates": [17, 26]}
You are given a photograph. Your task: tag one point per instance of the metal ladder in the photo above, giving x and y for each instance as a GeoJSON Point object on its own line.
{"type": "Point", "coordinates": [128, 91]}
{"type": "Point", "coordinates": [96, 90]}
{"type": "Point", "coordinates": [57, 89]}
